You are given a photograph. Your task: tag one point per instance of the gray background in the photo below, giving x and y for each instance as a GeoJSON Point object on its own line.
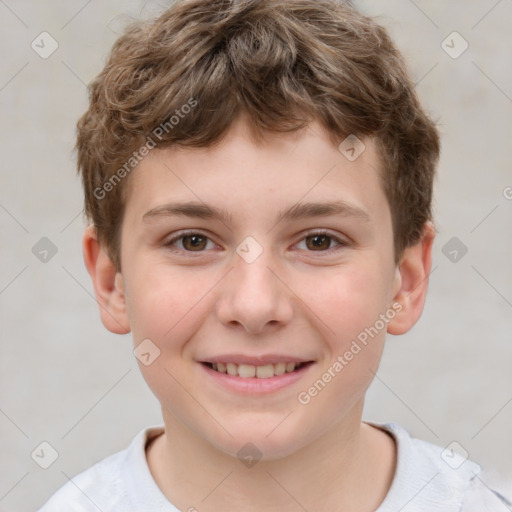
{"type": "Point", "coordinates": [66, 380]}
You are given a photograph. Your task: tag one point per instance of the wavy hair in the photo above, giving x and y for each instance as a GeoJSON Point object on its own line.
{"type": "Point", "coordinates": [284, 63]}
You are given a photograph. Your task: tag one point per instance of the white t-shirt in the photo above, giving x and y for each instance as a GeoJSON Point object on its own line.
{"type": "Point", "coordinates": [428, 478]}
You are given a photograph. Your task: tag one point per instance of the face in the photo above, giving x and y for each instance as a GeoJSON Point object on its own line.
{"type": "Point", "coordinates": [254, 270]}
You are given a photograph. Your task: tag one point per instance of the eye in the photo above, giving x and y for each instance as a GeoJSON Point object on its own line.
{"type": "Point", "coordinates": [191, 241]}
{"type": "Point", "coordinates": [321, 242]}
{"type": "Point", "coordinates": [194, 241]}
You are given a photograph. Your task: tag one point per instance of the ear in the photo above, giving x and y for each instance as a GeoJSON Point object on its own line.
{"type": "Point", "coordinates": [411, 281]}
{"type": "Point", "coordinates": [108, 284]}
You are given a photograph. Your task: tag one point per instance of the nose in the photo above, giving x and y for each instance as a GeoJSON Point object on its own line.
{"type": "Point", "coordinates": [254, 295]}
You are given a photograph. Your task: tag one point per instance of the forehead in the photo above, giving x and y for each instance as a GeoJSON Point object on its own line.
{"type": "Point", "coordinates": [242, 174]}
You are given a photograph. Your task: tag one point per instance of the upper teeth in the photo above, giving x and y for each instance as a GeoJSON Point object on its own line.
{"type": "Point", "coordinates": [261, 372]}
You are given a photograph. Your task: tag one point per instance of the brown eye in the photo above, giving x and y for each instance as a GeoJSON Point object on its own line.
{"type": "Point", "coordinates": [190, 242]}
{"type": "Point", "coordinates": [322, 242]}
{"type": "Point", "coordinates": [194, 242]}
{"type": "Point", "coordinates": [318, 242]}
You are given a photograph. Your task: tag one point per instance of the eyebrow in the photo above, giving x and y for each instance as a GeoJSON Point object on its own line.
{"type": "Point", "coordinates": [298, 211]}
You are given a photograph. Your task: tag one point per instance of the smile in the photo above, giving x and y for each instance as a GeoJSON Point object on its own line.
{"type": "Point", "coordinates": [247, 371]}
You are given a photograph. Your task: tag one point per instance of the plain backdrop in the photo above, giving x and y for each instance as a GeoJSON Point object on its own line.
{"type": "Point", "coordinates": [67, 381]}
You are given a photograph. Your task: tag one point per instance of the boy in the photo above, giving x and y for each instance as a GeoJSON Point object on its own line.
{"type": "Point", "coordinates": [259, 179]}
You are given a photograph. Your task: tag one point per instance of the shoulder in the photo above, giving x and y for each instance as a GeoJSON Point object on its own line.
{"type": "Point", "coordinates": [482, 494]}
{"type": "Point", "coordinates": [105, 485]}
{"type": "Point", "coordinates": [430, 477]}
{"type": "Point", "coordinates": [89, 488]}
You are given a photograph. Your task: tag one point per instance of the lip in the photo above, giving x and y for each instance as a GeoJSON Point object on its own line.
{"type": "Point", "coordinates": [254, 360]}
{"type": "Point", "coordinates": [253, 385]}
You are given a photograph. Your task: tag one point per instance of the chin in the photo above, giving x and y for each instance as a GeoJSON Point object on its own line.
{"type": "Point", "coordinates": [263, 442]}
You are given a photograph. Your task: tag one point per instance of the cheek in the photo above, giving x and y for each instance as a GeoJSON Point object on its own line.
{"type": "Point", "coordinates": [168, 308]}
{"type": "Point", "coordinates": [346, 303]}
{"type": "Point", "coordinates": [165, 310]}
{"type": "Point", "coordinates": [348, 309]}
{"type": "Point", "coordinates": [165, 304]}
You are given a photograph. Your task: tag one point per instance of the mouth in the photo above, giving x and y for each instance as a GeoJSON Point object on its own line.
{"type": "Point", "coordinates": [248, 371]}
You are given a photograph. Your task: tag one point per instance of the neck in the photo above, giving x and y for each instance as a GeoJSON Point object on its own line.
{"type": "Point", "coordinates": [350, 467]}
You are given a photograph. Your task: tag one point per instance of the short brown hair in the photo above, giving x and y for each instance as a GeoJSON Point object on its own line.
{"type": "Point", "coordinates": [284, 63]}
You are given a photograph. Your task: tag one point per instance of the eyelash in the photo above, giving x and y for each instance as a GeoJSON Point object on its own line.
{"type": "Point", "coordinates": [341, 243]}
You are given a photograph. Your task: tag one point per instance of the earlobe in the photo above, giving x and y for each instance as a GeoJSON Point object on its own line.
{"type": "Point", "coordinates": [108, 284]}
{"type": "Point", "coordinates": [412, 280]}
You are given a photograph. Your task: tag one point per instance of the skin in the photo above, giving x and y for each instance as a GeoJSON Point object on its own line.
{"type": "Point", "coordinates": [295, 299]}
